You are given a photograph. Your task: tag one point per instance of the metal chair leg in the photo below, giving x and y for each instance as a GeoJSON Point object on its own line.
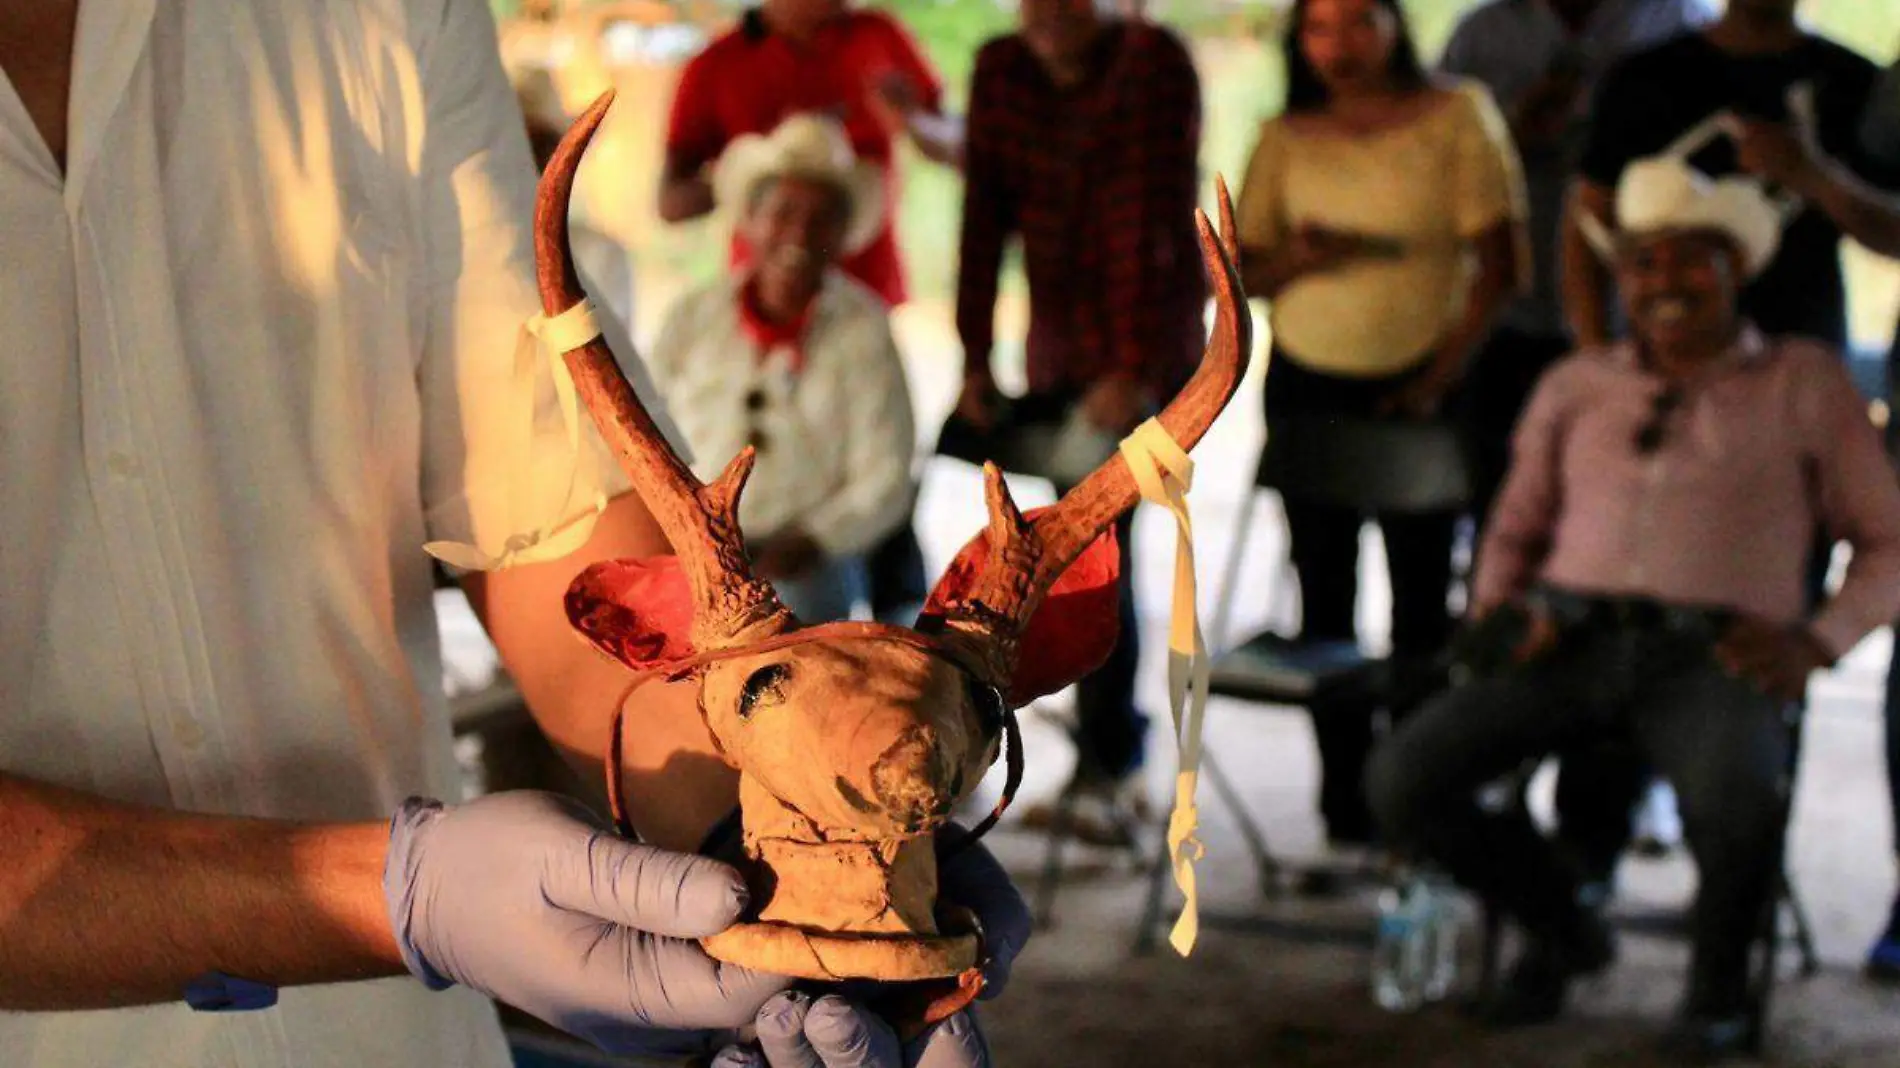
{"type": "Point", "coordinates": [1265, 864]}
{"type": "Point", "coordinates": [1803, 929]}
{"type": "Point", "coordinates": [1151, 905]}
{"type": "Point", "coordinates": [1060, 824]}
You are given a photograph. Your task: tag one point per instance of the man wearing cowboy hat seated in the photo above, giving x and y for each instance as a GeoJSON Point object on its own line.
{"type": "Point", "coordinates": [1644, 568]}
{"type": "Point", "coordinates": [794, 358]}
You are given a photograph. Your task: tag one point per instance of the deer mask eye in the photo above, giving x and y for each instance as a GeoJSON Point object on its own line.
{"type": "Point", "coordinates": [988, 703]}
{"type": "Point", "coordinates": [764, 685]}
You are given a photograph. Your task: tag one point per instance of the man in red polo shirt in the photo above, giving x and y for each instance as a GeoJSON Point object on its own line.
{"type": "Point", "coordinates": [787, 56]}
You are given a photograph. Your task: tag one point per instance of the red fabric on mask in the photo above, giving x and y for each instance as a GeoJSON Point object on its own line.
{"type": "Point", "coordinates": [640, 612]}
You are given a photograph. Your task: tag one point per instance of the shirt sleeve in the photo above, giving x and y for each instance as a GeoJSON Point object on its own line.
{"type": "Point", "coordinates": [694, 135]}
{"type": "Point", "coordinates": [880, 434]}
{"type": "Point", "coordinates": [1462, 52]}
{"type": "Point", "coordinates": [989, 210]}
{"type": "Point", "coordinates": [1518, 535]}
{"type": "Point", "coordinates": [1880, 121]}
{"type": "Point", "coordinates": [496, 460]}
{"type": "Point", "coordinates": [1150, 230]}
{"type": "Point", "coordinates": [1859, 501]}
{"type": "Point", "coordinates": [1260, 212]}
{"type": "Point", "coordinates": [909, 60]}
{"type": "Point", "coordinates": [1489, 184]}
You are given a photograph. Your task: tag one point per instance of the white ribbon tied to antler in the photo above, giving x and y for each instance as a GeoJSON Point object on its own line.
{"type": "Point", "coordinates": [543, 341]}
{"type": "Point", "coordinates": [1164, 474]}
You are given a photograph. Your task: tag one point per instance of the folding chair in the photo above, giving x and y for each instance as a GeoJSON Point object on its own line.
{"type": "Point", "coordinates": [1784, 922]}
{"type": "Point", "coordinates": [1364, 464]}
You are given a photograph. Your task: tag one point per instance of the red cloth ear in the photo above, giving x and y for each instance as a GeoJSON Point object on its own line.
{"type": "Point", "coordinates": [1073, 630]}
{"type": "Point", "coordinates": [640, 612]}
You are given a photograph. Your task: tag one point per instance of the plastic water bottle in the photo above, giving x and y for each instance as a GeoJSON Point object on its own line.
{"type": "Point", "coordinates": [1445, 930]}
{"type": "Point", "coordinates": [1399, 950]}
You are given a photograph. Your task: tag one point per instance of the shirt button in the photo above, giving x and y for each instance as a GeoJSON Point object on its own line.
{"type": "Point", "coordinates": [189, 733]}
{"type": "Point", "coordinates": [122, 465]}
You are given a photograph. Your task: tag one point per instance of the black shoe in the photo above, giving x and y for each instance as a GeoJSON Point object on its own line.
{"type": "Point", "coordinates": [1704, 1038]}
{"type": "Point", "coordinates": [1534, 992]}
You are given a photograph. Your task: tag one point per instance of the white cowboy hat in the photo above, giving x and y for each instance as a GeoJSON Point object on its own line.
{"type": "Point", "coordinates": [809, 146]}
{"type": "Point", "coordinates": [1664, 192]}
{"type": "Point", "coordinates": [1667, 194]}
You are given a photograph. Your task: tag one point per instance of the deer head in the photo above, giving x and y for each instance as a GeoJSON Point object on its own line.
{"type": "Point", "coordinates": [857, 732]}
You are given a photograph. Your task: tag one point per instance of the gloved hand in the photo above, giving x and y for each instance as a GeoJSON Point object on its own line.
{"type": "Point", "coordinates": [529, 898]}
{"type": "Point", "coordinates": [831, 1032]}
{"type": "Point", "coordinates": [795, 1031]}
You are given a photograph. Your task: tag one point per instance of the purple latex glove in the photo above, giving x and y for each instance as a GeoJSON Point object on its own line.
{"type": "Point", "coordinates": [529, 898]}
{"type": "Point", "coordinates": [796, 1031]}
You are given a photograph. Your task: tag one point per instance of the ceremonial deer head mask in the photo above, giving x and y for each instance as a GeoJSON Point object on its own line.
{"type": "Point", "coordinates": [856, 735]}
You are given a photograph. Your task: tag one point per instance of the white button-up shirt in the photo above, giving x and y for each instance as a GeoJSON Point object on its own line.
{"type": "Point", "coordinates": [263, 334]}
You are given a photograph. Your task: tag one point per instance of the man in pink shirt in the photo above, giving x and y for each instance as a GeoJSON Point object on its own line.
{"type": "Point", "coordinates": [1646, 559]}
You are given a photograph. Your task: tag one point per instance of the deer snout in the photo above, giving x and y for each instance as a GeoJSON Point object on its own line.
{"type": "Point", "coordinates": [915, 781]}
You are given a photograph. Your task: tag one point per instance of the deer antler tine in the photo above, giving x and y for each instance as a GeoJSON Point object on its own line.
{"type": "Point", "coordinates": [701, 521]}
{"type": "Point", "coordinates": [1006, 520]}
{"type": "Point", "coordinates": [1229, 233]}
{"type": "Point", "coordinates": [1021, 573]}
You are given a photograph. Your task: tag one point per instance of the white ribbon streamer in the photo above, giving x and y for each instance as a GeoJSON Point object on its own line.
{"type": "Point", "coordinates": [543, 340]}
{"type": "Point", "coordinates": [1164, 474]}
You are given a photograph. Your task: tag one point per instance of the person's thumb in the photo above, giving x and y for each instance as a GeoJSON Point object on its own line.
{"type": "Point", "coordinates": [676, 895]}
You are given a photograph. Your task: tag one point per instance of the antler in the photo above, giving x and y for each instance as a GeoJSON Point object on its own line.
{"type": "Point", "coordinates": [702, 521]}
{"type": "Point", "coordinates": [1026, 557]}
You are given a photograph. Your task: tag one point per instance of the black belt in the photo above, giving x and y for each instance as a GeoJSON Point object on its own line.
{"type": "Point", "coordinates": [1569, 609]}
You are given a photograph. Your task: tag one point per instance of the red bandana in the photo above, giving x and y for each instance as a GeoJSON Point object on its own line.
{"type": "Point", "coordinates": [768, 336]}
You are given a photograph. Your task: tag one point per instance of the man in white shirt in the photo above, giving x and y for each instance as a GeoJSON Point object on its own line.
{"type": "Point", "coordinates": [265, 277]}
{"type": "Point", "coordinates": [790, 355]}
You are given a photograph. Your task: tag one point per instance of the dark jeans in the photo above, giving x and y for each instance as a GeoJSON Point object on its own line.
{"type": "Point", "coordinates": [1112, 734]}
{"type": "Point", "coordinates": [1599, 787]}
{"type": "Point", "coordinates": [1324, 546]}
{"type": "Point", "coordinates": [1654, 687]}
{"type": "Point", "coordinates": [894, 577]}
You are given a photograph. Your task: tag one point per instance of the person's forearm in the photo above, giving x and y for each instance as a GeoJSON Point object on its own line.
{"type": "Point", "coordinates": [1265, 274]}
{"type": "Point", "coordinates": [677, 784]}
{"type": "Point", "coordinates": [1862, 212]}
{"type": "Point", "coordinates": [685, 197]}
{"type": "Point", "coordinates": [1583, 281]}
{"type": "Point", "coordinates": [105, 904]}
{"type": "Point", "coordinates": [1500, 277]}
{"type": "Point", "coordinates": [938, 137]}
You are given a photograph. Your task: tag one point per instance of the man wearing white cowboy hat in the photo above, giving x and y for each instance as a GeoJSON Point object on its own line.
{"type": "Point", "coordinates": [791, 356]}
{"type": "Point", "coordinates": [1642, 580]}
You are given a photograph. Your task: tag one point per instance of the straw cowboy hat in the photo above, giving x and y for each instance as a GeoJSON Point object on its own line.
{"type": "Point", "coordinates": [812, 147]}
{"type": "Point", "coordinates": [1664, 192]}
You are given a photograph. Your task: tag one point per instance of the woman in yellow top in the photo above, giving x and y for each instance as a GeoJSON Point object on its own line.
{"type": "Point", "coordinates": [1383, 219]}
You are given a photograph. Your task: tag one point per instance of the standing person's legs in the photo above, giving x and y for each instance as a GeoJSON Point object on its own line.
{"type": "Point", "coordinates": [1725, 746]}
{"type": "Point", "coordinates": [1324, 546]}
{"type": "Point", "coordinates": [1418, 557]}
{"type": "Point", "coordinates": [1883, 960]}
{"type": "Point", "coordinates": [1111, 731]}
{"type": "Point", "coordinates": [826, 593]}
{"type": "Point", "coordinates": [894, 576]}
